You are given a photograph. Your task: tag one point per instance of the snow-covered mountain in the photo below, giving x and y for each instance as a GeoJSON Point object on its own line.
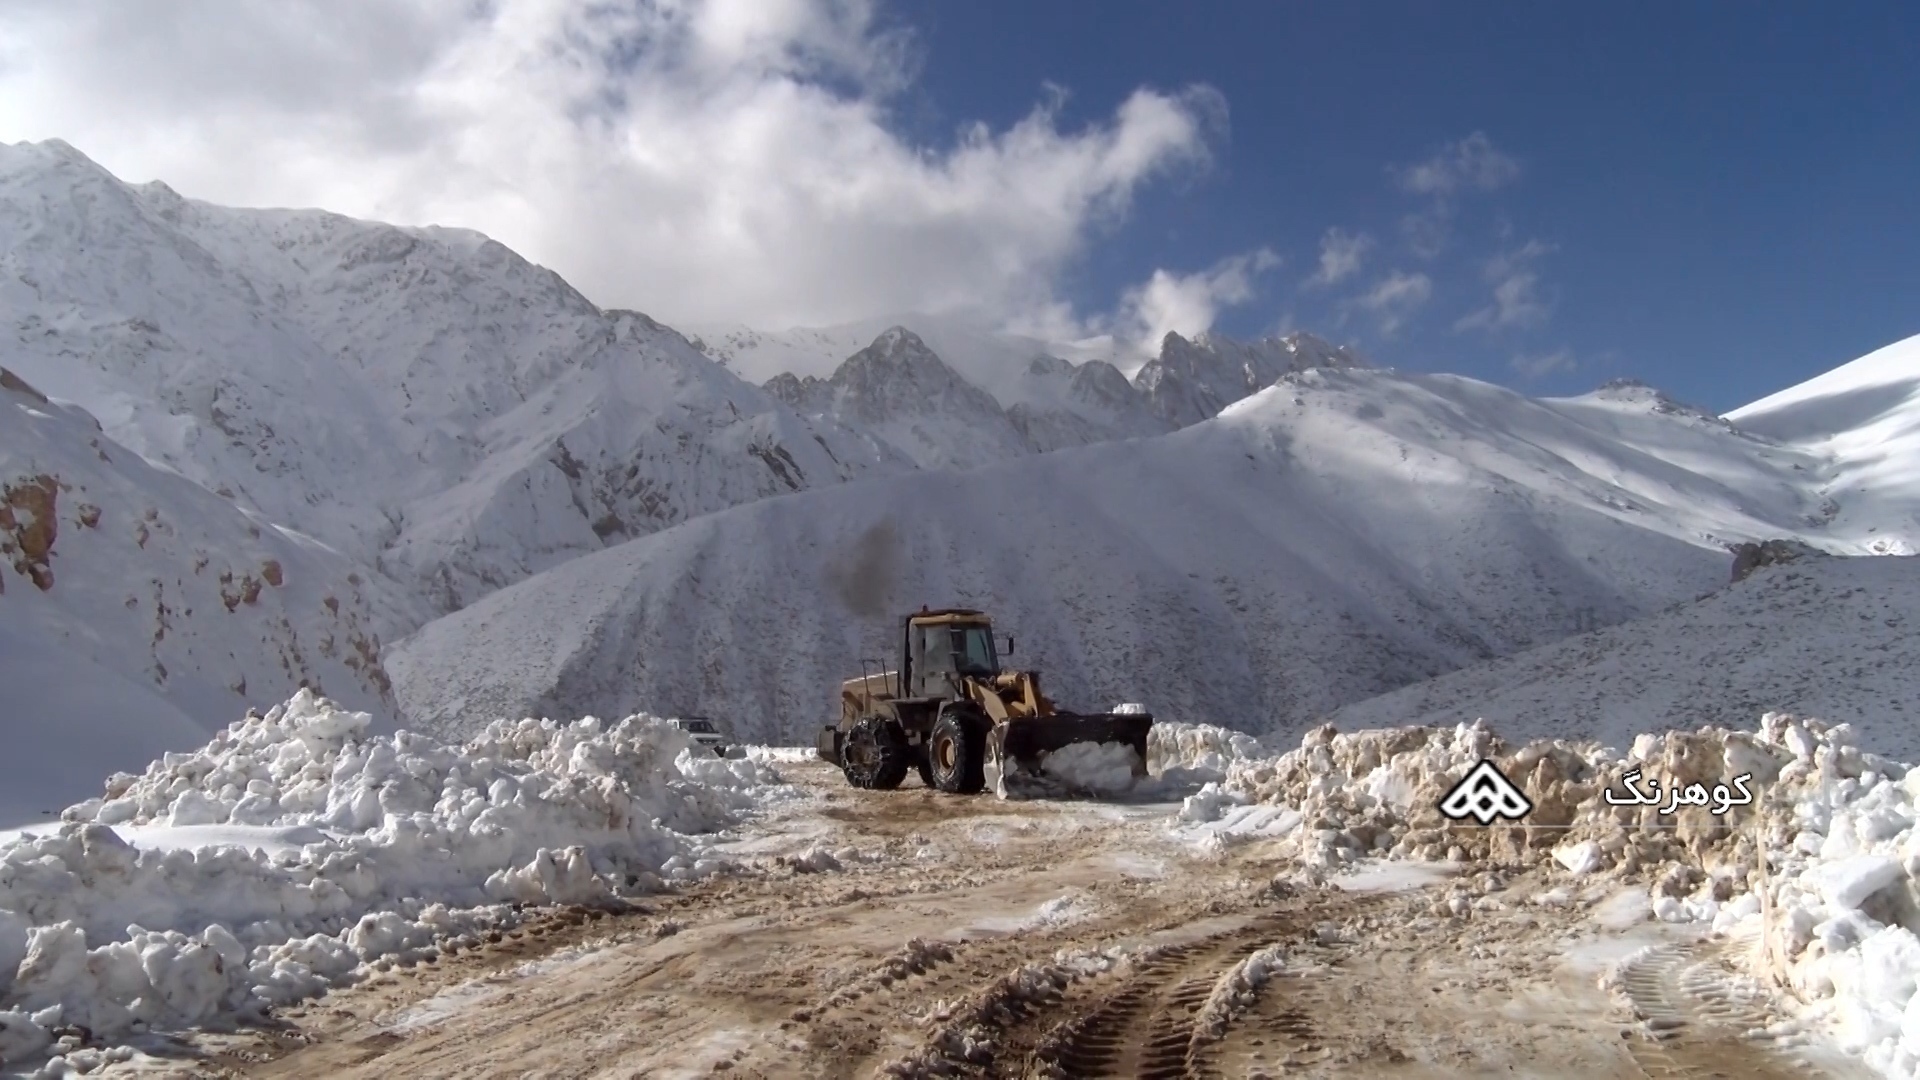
{"type": "Point", "coordinates": [139, 612]}
{"type": "Point", "coordinates": [423, 399]}
{"type": "Point", "coordinates": [900, 391]}
{"type": "Point", "coordinates": [1055, 394]}
{"type": "Point", "coordinates": [1861, 422]}
{"type": "Point", "coordinates": [1832, 637]}
{"type": "Point", "coordinates": [1341, 534]}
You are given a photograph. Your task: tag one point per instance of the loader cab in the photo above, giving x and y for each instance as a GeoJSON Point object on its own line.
{"type": "Point", "coordinates": [942, 644]}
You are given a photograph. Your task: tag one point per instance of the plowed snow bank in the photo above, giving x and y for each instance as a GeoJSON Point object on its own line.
{"type": "Point", "coordinates": [1823, 864]}
{"type": "Point", "coordinates": [379, 847]}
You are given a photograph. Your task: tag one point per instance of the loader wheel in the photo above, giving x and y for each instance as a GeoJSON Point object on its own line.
{"type": "Point", "coordinates": [875, 754]}
{"type": "Point", "coordinates": [957, 754]}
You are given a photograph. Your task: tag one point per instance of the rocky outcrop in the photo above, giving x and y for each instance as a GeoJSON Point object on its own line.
{"type": "Point", "coordinates": [1754, 554]}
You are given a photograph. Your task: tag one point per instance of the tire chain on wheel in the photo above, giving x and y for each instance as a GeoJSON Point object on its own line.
{"type": "Point", "coordinates": [888, 746]}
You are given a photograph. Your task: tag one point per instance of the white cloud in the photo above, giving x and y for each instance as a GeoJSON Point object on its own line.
{"type": "Point", "coordinates": [1395, 297]}
{"type": "Point", "coordinates": [1508, 262]}
{"type": "Point", "coordinates": [1516, 292]}
{"type": "Point", "coordinates": [1341, 254]}
{"type": "Point", "coordinates": [1187, 304]}
{"type": "Point", "coordinates": [1427, 231]}
{"type": "Point", "coordinates": [1559, 361]}
{"type": "Point", "coordinates": [1471, 163]}
{"type": "Point", "coordinates": [703, 160]}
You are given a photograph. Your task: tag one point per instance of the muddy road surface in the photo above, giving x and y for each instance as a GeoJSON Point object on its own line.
{"type": "Point", "coordinates": [965, 936]}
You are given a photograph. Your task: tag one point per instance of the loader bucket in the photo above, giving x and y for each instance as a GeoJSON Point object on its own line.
{"type": "Point", "coordinates": [1016, 749]}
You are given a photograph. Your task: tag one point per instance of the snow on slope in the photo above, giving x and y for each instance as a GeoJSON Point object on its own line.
{"type": "Point", "coordinates": [1862, 421]}
{"type": "Point", "coordinates": [1344, 533]}
{"type": "Point", "coordinates": [420, 397]}
{"type": "Point", "coordinates": [1829, 637]}
{"type": "Point", "coordinates": [138, 610]}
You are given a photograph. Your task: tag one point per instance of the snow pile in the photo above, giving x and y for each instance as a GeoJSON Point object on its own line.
{"type": "Point", "coordinates": [1840, 908]}
{"type": "Point", "coordinates": [1200, 748]}
{"type": "Point", "coordinates": [1093, 768]}
{"type": "Point", "coordinates": [1822, 865]}
{"type": "Point", "coordinates": [1378, 792]}
{"type": "Point", "coordinates": [1108, 770]}
{"type": "Point", "coordinates": [409, 842]}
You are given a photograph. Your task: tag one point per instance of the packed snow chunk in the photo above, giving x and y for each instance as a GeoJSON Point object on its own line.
{"type": "Point", "coordinates": [1093, 768]}
{"type": "Point", "coordinates": [814, 860]}
{"type": "Point", "coordinates": [1581, 858]}
{"type": "Point", "coordinates": [1847, 884]}
{"type": "Point", "coordinates": [14, 930]}
{"type": "Point", "coordinates": [561, 877]}
{"type": "Point", "coordinates": [20, 1037]}
{"type": "Point", "coordinates": [739, 773]}
{"type": "Point", "coordinates": [1210, 803]}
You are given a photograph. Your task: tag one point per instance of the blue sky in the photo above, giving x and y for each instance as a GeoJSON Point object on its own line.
{"type": "Point", "coordinates": [1715, 197]}
{"type": "Point", "coordinates": [1731, 192]}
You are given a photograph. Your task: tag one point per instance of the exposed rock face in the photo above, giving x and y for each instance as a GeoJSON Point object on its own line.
{"type": "Point", "coordinates": [29, 525]}
{"type": "Point", "coordinates": [1191, 381]}
{"type": "Point", "coordinates": [1754, 554]}
{"type": "Point", "coordinates": [166, 593]}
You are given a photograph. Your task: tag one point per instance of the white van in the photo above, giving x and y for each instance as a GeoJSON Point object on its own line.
{"type": "Point", "coordinates": [705, 732]}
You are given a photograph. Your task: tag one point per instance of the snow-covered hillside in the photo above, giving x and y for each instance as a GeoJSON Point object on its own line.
{"type": "Point", "coordinates": [1344, 533]}
{"type": "Point", "coordinates": [420, 397]}
{"type": "Point", "coordinates": [140, 612]}
{"type": "Point", "coordinates": [1862, 421]}
{"type": "Point", "coordinates": [1833, 637]}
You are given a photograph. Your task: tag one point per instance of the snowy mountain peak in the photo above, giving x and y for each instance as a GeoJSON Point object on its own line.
{"type": "Point", "coordinates": [898, 341]}
{"type": "Point", "coordinates": [1635, 393]}
{"type": "Point", "coordinates": [1193, 380]}
{"type": "Point", "coordinates": [901, 391]}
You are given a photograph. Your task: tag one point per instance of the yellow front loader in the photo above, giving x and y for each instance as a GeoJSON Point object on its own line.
{"type": "Point", "coordinates": [950, 711]}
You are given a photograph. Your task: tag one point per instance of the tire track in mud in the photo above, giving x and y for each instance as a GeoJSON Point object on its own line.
{"type": "Point", "coordinates": [1149, 1026]}
{"type": "Point", "coordinates": [1139, 1017]}
{"type": "Point", "coordinates": [889, 1008]}
{"type": "Point", "coordinates": [1702, 1021]}
{"type": "Point", "coordinates": [1275, 1031]}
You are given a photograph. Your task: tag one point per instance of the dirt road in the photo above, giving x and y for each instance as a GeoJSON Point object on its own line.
{"type": "Point", "coordinates": [967, 936]}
